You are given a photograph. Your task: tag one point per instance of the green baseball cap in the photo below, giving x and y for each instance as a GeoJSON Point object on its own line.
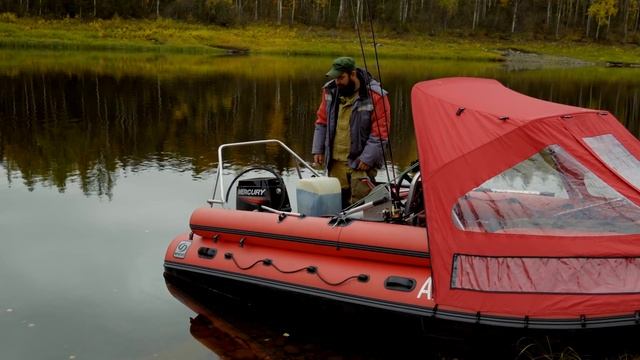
{"type": "Point", "coordinates": [341, 65]}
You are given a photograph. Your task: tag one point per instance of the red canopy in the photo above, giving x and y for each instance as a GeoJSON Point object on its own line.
{"type": "Point", "coordinates": [532, 206]}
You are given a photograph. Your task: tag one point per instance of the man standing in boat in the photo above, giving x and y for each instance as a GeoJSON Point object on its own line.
{"type": "Point", "coordinates": [352, 128]}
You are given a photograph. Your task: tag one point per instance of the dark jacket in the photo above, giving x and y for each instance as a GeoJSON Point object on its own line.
{"type": "Point", "coordinates": [369, 123]}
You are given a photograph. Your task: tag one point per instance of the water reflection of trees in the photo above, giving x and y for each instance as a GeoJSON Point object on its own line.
{"type": "Point", "coordinates": [614, 90]}
{"type": "Point", "coordinates": [60, 127]}
{"type": "Point", "coordinates": [63, 127]}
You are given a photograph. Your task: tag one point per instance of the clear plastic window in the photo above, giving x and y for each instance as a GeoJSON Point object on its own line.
{"type": "Point", "coordinates": [550, 193]}
{"type": "Point", "coordinates": [546, 275]}
{"type": "Point", "coordinates": [616, 156]}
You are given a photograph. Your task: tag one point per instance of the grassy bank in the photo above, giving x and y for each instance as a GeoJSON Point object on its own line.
{"type": "Point", "coordinates": [100, 35]}
{"type": "Point", "coordinates": [172, 36]}
{"type": "Point", "coordinates": [179, 65]}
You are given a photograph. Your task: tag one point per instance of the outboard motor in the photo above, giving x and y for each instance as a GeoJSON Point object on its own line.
{"type": "Point", "coordinates": [267, 191]}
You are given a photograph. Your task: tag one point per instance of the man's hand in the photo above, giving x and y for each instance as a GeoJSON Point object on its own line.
{"type": "Point", "coordinates": [318, 159]}
{"type": "Point", "coordinates": [363, 166]}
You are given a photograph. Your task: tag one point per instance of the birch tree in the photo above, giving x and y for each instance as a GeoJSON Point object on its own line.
{"type": "Point", "coordinates": [602, 10]}
{"type": "Point", "coordinates": [505, 3]}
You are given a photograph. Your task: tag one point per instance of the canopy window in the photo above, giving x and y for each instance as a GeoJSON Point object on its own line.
{"type": "Point", "coordinates": [546, 275]}
{"type": "Point", "coordinates": [616, 157]}
{"type": "Point", "coordinates": [550, 193]}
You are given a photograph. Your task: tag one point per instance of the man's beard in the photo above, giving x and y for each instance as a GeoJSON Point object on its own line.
{"type": "Point", "coordinates": [347, 90]}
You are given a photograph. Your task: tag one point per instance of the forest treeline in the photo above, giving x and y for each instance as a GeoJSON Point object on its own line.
{"type": "Point", "coordinates": [591, 20]}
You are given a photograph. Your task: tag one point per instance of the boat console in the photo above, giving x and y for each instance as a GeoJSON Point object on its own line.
{"type": "Point", "coordinates": [400, 201]}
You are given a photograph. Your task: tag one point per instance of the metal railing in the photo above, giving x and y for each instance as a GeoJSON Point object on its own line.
{"type": "Point", "coordinates": [219, 177]}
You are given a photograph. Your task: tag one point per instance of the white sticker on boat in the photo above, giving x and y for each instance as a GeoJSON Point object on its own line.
{"type": "Point", "coordinates": [181, 249]}
{"type": "Point", "coordinates": [426, 289]}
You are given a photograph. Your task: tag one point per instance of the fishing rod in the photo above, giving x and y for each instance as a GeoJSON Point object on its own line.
{"type": "Point", "coordinates": [384, 106]}
{"type": "Point", "coordinates": [395, 196]}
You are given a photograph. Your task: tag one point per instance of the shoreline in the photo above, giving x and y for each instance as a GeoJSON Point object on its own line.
{"type": "Point", "coordinates": [169, 36]}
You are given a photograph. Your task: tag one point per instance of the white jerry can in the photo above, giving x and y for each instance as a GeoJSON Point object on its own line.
{"type": "Point", "coordinates": [319, 196]}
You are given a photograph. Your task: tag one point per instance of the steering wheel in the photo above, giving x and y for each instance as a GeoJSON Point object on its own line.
{"type": "Point", "coordinates": [406, 175]}
{"type": "Point", "coordinates": [415, 199]}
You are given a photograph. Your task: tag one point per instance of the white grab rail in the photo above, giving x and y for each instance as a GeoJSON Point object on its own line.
{"type": "Point", "coordinates": [219, 178]}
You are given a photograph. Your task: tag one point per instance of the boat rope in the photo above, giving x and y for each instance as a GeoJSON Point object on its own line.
{"type": "Point", "coordinates": [270, 263]}
{"type": "Point", "coordinates": [395, 196]}
{"type": "Point", "coordinates": [230, 256]}
{"type": "Point", "coordinates": [361, 278]}
{"type": "Point", "coordinates": [309, 269]}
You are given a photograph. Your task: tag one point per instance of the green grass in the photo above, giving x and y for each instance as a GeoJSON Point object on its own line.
{"type": "Point", "coordinates": [179, 37]}
{"type": "Point", "coordinates": [180, 65]}
{"type": "Point", "coordinates": [99, 35]}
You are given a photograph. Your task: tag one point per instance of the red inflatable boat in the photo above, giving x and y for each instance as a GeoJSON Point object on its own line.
{"type": "Point", "coordinates": [520, 213]}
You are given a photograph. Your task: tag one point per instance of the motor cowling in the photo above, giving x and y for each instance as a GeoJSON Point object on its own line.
{"type": "Point", "coordinates": [270, 192]}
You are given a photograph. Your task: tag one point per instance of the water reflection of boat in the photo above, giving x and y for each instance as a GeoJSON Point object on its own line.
{"type": "Point", "coordinates": [235, 324]}
{"type": "Point", "coordinates": [213, 331]}
{"type": "Point", "coordinates": [531, 209]}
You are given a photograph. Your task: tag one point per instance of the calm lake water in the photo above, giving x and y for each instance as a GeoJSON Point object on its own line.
{"type": "Point", "coordinates": [103, 158]}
